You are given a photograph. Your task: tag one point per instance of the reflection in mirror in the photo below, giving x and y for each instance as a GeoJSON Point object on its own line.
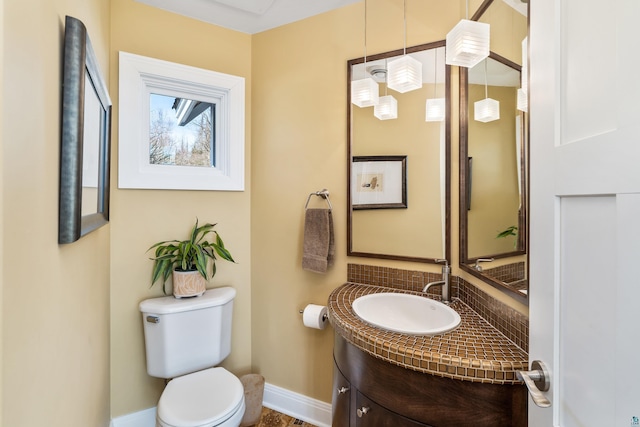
{"type": "Point", "coordinates": [494, 193]}
{"type": "Point", "coordinates": [493, 175]}
{"type": "Point", "coordinates": [181, 131]}
{"type": "Point", "coordinates": [416, 228]}
{"type": "Point", "coordinates": [90, 150]}
{"type": "Point", "coordinates": [493, 158]}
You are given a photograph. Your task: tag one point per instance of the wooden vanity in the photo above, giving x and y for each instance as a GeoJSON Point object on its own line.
{"type": "Point", "coordinates": [462, 378]}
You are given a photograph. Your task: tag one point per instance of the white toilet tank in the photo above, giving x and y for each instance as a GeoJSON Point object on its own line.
{"type": "Point", "coordinates": [188, 334]}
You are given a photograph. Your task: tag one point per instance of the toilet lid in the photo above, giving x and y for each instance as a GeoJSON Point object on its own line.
{"type": "Point", "coordinates": [203, 398]}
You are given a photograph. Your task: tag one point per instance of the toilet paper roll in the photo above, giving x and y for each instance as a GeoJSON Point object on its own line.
{"type": "Point", "coordinates": [314, 316]}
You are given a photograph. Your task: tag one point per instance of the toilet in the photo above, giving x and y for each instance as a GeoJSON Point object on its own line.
{"type": "Point", "coordinates": [184, 341]}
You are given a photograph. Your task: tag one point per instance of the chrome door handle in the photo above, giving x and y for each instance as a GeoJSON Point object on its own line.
{"type": "Point", "coordinates": [343, 390]}
{"type": "Point", "coordinates": [537, 380]}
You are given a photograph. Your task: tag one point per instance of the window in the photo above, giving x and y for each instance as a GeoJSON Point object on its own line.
{"type": "Point", "coordinates": [180, 127]}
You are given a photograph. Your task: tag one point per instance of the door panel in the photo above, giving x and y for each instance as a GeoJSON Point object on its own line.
{"type": "Point", "coordinates": [585, 331]}
{"type": "Point", "coordinates": [585, 205]}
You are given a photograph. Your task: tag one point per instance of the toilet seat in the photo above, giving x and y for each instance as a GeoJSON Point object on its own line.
{"type": "Point", "coordinates": [201, 399]}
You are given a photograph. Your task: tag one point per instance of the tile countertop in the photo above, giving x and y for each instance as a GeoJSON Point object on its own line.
{"type": "Point", "coordinates": [475, 351]}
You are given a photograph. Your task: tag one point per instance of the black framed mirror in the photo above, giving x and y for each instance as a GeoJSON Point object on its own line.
{"type": "Point", "coordinates": [85, 138]}
{"type": "Point", "coordinates": [494, 157]}
{"type": "Point", "coordinates": [417, 227]}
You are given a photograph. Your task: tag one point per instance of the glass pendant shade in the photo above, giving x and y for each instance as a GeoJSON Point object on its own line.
{"type": "Point", "coordinates": [467, 43]}
{"type": "Point", "coordinates": [364, 92]}
{"type": "Point", "coordinates": [404, 74]}
{"type": "Point", "coordinates": [387, 108]}
{"type": "Point", "coordinates": [486, 110]}
{"type": "Point", "coordinates": [522, 101]}
{"type": "Point", "coordinates": [435, 110]}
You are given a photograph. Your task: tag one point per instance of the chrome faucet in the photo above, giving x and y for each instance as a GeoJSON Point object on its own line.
{"type": "Point", "coordinates": [477, 265]}
{"type": "Point", "coordinates": [446, 287]}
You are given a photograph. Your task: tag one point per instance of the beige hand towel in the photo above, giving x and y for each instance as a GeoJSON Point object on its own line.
{"type": "Point", "coordinates": [318, 250]}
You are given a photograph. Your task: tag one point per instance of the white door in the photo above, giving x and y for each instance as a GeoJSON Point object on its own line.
{"type": "Point", "coordinates": [585, 210]}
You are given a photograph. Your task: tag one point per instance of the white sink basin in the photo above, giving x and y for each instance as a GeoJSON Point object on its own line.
{"type": "Point", "coordinates": [405, 313]}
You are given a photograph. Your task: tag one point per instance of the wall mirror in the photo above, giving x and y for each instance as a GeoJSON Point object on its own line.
{"type": "Point", "coordinates": [405, 156]}
{"type": "Point", "coordinates": [85, 138]}
{"type": "Point", "coordinates": [494, 156]}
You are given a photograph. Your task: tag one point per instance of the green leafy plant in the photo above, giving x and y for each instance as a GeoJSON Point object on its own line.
{"type": "Point", "coordinates": [188, 255]}
{"type": "Point", "coordinates": [510, 231]}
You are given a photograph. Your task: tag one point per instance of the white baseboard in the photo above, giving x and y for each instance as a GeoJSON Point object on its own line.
{"type": "Point", "coordinates": [144, 418]}
{"type": "Point", "coordinates": [297, 405]}
{"type": "Point", "coordinates": [288, 402]}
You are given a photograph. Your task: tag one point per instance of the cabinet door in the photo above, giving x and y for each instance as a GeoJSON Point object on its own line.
{"type": "Point", "coordinates": [369, 414]}
{"type": "Point", "coordinates": [340, 400]}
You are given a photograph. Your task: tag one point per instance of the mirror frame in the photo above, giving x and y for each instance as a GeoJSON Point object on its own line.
{"type": "Point", "coordinates": [523, 227]}
{"type": "Point", "coordinates": [350, 64]}
{"type": "Point", "coordinates": [80, 62]}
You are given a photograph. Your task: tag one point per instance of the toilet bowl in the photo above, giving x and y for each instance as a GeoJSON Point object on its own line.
{"type": "Point", "coordinates": [213, 397]}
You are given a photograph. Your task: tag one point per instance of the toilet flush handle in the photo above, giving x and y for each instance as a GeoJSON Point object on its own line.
{"type": "Point", "coordinates": [153, 319]}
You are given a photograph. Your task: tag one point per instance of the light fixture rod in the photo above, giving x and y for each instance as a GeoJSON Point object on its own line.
{"type": "Point", "coordinates": [364, 67]}
{"type": "Point", "coordinates": [435, 74]}
{"type": "Point", "coordinates": [486, 90]}
{"type": "Point", "coordinates": [404, 18]}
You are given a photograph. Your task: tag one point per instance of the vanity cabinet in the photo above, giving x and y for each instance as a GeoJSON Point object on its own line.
{"type": "Point", "coordinates": [372, 392]}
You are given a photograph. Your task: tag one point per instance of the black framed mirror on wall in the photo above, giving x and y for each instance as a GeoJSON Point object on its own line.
{"type": "Point", "coordinates": [494, 155]}
{"type": "Point", "coordinates": [398, 168]}
{"type": "Point", "coordinates": [85, 138]}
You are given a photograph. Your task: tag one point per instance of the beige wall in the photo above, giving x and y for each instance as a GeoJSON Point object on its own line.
{"type": "Point", "coordinates": [143, 217]}
{"type": "Point", "coordinates": [55, 304]}
{"type": "Point", "coordinates": [55, 329]}
{"type": "Point", "coordinates": [300, 133]}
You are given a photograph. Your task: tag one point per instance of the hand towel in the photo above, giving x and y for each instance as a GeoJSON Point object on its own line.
{"type": "Point", "coordinates": [318, 250]}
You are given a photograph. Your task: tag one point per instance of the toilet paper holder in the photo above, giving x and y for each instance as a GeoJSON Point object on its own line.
{"type": "Point", "coordinates": [324, 316]}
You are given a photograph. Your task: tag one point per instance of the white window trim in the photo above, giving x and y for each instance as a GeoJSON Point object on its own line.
{"type": "Point", "coordinates": [139, 77]}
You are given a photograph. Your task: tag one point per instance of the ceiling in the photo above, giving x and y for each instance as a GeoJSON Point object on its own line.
{"type": "Point", "coordinates": [248, 16]}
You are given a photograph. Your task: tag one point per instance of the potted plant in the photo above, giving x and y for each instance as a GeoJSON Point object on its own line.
{"type": "Point", "coordinates": [509, 231]}
{"type": "Point", "coordinates": [187, 261]}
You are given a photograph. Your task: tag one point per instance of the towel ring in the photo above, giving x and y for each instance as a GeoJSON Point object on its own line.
{"type": "Point", "coordinates": [324, 193]}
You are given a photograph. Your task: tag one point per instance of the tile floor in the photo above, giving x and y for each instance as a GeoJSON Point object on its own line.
{"type": "Point", "coordinates": [271, 418]}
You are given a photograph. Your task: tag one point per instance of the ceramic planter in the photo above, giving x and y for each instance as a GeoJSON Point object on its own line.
{"type": "Point", "coordinates": [188, 284]}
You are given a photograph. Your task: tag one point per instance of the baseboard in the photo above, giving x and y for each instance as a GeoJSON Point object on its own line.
{"type": "Point", "coordinates": [297, 405]}
{"type": "Point", "coordinates": [288, 402]}
{"type": "Point", "coordinates": [144, 418]}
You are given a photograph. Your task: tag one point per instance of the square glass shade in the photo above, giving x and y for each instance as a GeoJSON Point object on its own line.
{"type": "Point", "coordinates": [364, 92]}
{"type": "Point", "coordinates": [387, 108]}
{"type": "Point", "coordinates": [467, 43]}
{"type": "Point", "coordinates": [435, 110]}
{"type": "Point", "coordinates": [404, 74]}
{"type": "Point", "coordinates": [486, 110]}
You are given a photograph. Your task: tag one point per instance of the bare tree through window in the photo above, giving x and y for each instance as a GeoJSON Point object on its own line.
{"type": "Point", "coordinates": [181, 132]}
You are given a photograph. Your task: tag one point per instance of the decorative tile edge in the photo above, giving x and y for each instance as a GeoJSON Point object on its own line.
{"type": "Point", "coordinates": [511, 323]}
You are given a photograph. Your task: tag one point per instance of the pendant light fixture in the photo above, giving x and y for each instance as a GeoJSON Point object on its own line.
{"type": "Point", "coordinates": [435, 108]}
{"type": "Point", "coordinates": [387, 107]}
{"type": "Point", "coordinates": [364, 92]}
{"type": "Point", "coordinates": [488, 109]}
{"type": "Point", "coordinates": [467, 42]}
{"type": "Point", "coordinates": [405, 73]}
